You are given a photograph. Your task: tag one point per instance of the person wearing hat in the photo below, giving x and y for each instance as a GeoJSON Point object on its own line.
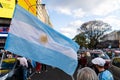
{"type": "Point", "coordinates": [103, 73]}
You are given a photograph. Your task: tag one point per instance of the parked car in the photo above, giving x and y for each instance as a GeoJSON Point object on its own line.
{"type": "Point", "coordinates": [115, 68]}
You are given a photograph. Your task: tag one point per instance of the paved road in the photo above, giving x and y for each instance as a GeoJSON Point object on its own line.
{"type": "Point", "coordinates": [52, 74]}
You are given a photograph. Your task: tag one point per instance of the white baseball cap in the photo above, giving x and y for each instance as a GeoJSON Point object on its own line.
{"type": "Point", "coordinates": [98, 61]}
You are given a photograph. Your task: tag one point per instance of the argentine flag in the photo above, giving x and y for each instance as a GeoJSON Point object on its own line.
{"type": "Point", "coordinates": [31, 38]}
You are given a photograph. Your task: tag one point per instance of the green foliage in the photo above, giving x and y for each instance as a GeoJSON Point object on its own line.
{"type": "Point", "coordinates": [91, 33]}
{"type": "Point", "coordinates": [81, 39]}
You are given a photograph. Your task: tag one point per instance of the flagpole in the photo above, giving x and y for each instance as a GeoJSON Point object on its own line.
{"type": "Point", "coordinates": [72, 77]}
{"type": "Point", "coordinates": [1, 60]}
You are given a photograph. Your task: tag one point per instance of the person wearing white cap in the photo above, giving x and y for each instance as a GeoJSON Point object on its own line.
{"type": "Point", "coordinates": [103, 74]}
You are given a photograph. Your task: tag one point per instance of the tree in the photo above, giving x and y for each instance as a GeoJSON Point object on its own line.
{"type": "Point", "coordinates": [81, 39]}
{"type": "Point", "coordinates": [93, 31]}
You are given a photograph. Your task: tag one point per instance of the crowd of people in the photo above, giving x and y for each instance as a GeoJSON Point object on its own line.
{"type": "Point", "coordinates": [87, 73]}
{"type": "Point", "coordinates": [26, 67]}
{"type": "Point", "coordinates": [88, 68]}
{"type": "Point", "coordinates": [96, 65]}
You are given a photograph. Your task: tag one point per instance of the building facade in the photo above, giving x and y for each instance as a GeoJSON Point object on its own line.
{"type": "Point", "coordinates": [34, 6]}
{"type": "Point", "coordinates": [112, 37]}
{"type": "Point", "coordinates": [42, 13]}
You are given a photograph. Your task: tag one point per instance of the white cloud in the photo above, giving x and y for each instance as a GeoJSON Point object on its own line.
{"type": "Point", "coordinates": [114, 21]}
{"type": "Point", "coordinates": [67, 32]}
{"type": "Point", "coordinates": [62, 10]}
{"type": "Point", "coordinates": [106, 7]}
{"type": "Point", "coordinates": [97, 7]}
{"type": "Point", "coordinates": [71, 29]}
{"type": "Point", "coordinates": [76, 23]}
{"type": "Point", "coordinates": [78, 13]}
{"type": "Point", "coordinates": [73, 4]}
{"type": "Point", "coordinates": [85, 10]}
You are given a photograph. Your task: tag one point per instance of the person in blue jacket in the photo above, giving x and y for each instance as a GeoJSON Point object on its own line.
{"type": "Point", "coordinates": [103, 73]}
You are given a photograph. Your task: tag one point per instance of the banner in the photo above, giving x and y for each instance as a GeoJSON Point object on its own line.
{"type": "Point", "coordinates": [7, 8]}
{"type": "Point", "coordinates": [4, 29]}
{"type": "Point", "coordinates": [35, 40]}
{"type": "Point", "coordinates": [29, 5]}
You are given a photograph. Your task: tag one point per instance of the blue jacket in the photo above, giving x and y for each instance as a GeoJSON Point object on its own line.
{"type": "Point", "coordinates": [105, 75]}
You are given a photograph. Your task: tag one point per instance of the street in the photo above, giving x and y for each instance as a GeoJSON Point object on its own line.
{"type": "Point", "coordinates": [52, 74]}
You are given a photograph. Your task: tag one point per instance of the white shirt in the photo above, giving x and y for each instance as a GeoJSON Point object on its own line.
{"type": "Point", "coordinates": [23, 61]}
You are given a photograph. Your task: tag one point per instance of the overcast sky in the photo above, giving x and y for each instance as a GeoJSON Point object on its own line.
{"type": "Point", "coordinates": [68, 15]}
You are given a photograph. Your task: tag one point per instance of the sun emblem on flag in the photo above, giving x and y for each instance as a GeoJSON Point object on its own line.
{"type": "Point", "coordinates": [43, 38]}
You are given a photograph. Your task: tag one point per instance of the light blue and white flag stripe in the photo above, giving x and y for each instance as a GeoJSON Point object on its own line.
{"type": "Point", "coordinates": [31, 38]}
